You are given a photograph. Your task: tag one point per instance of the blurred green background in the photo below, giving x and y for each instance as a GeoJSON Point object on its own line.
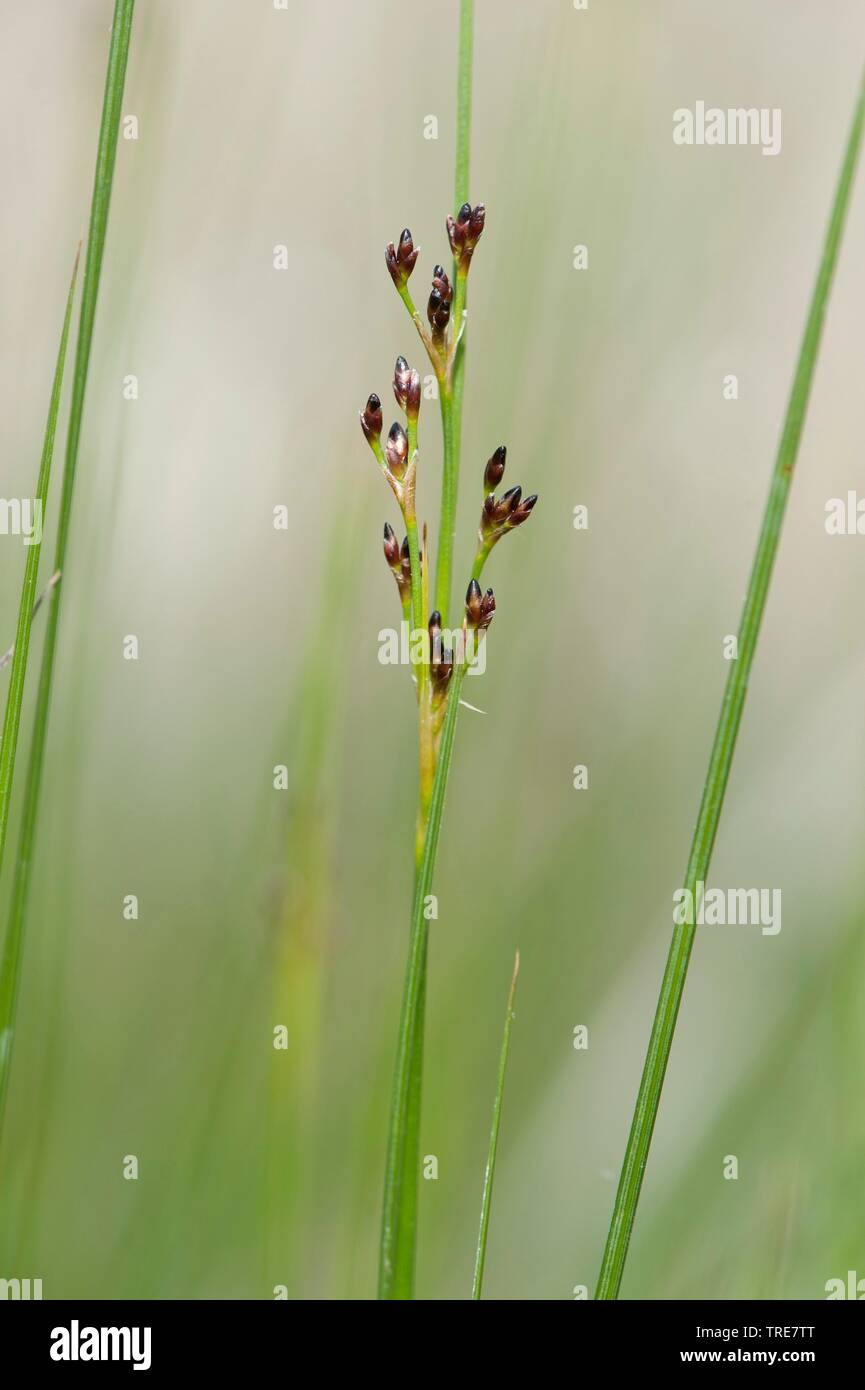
{"type": "Point", "coordinates": [258, 647]}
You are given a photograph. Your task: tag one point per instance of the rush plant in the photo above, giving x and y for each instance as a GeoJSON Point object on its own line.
{"type": "Point", "coordinates": [440, 657]}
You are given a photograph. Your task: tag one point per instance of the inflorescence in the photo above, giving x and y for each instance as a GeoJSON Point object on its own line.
{"type": "Point", "coordinates": [397, 455]}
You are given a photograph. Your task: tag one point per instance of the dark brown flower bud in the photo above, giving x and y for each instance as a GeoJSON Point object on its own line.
{"type": "Point", "coordinates": [391, 548]}
{"type": "Point", "coordinates": [401, 261]}
{"type": "Point", "coordinates": [441, 672]}
{"type": "Point", "coordinates": [371, 420]}
{"type": "Point", "coordinates": [442, 283]}
{"type": "Point", "coordinates": [412, 404]}
{"type": "Point", "coordinates": [406, 253]}
{"type": "Point", "coordinates": [453, 236]}
{"type": "Point", "coordinates": [495, 469]}
{"type": "Point", "coordinates": [406, 388]}
{"type": "Point", "coordinates": [509, 500]}
{"type": "Point", "coordinates": [405, 565]}
{"type": "Point", "coordinates": [488, 516]}
{"type": "Point", "coordinates": [438, 309]}
{"type": "Point", "coordinates": [435, 635]}
{"type": "Point", "coordinates": [441, 659]}
{"type": "Point", "coordinates": [396, 450]}
{"type": "Point", "coordinates": [523, 511]}
{"type": "Point", "coordinates": [488, 608]}
{"type": "Point", "coordinates": [401, 374]}
{"type": "Point", "coordinates": [400, 571]}
{"type": "Point", "coordinates": [473, 603]}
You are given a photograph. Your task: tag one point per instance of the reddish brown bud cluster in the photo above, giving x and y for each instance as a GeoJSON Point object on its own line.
{"type": "Point", "coordinates": [398, 562]}
{"type": "Point", "coordinates": [406, 388]}
{"type": "Point", "coordinates": [438, 309]}
{"type": "Point", "coordinates": [371, 420]}
{"type": "Point", "coordinates": [464, 232]}
{"type": "Point", "coordinates": [479, 607]}
{"type": "Point", "coordinates": [495, 469]}
{"type": "Point", "coordinates": [502, 514]}
{"type": "Point", "coordinates": [441, 658]}
{"type": "Point", "coordinates": [401, 262]}
{"type": "Point", "coordinates": [510, 510]}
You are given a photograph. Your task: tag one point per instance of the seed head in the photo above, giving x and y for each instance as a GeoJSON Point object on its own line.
{"type": "Point", "coordinates": [371, 421]}
{"type": "Point", "coordinates": [495, 469]}
{"type": "Point", "coordinates": [401, 261]}
{"type": "Point", "coordinates": [396, 450]}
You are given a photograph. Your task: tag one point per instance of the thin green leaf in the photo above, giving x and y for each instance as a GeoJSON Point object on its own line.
{"type": "Point", "coordinates": [490, 1172]}
{"type": "Point", "coordinates": [10, 966]}
{"type": "Point", "coordinates": [673, 983]}
{"type": "Point", "coordinates": [27, 606]}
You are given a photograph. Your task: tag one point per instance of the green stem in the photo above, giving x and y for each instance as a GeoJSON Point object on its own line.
{"type": "Point", "coordinates": [673, 983]}
{"type": "Point", "coordinates": [464, 103]}
{"type": "Point", "coordinates": [410, 518]}
{"type": "Point", "coordinates": [27, 606]}
{"type": "Point", "coordinates": [397, 1253]}
{"type": "Point", "coordinates": [480, 560]}
{"type": "Point", "coordinates": [447, 522]}
{"type": "Point", "coordinates": [10, 966]}
{"type": "Point", "coordinates": [399, 1218]}
{"type": "Point", "coordinates": [451, 400]}
{"type": "Point", "coordinates": [489, 1174]}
